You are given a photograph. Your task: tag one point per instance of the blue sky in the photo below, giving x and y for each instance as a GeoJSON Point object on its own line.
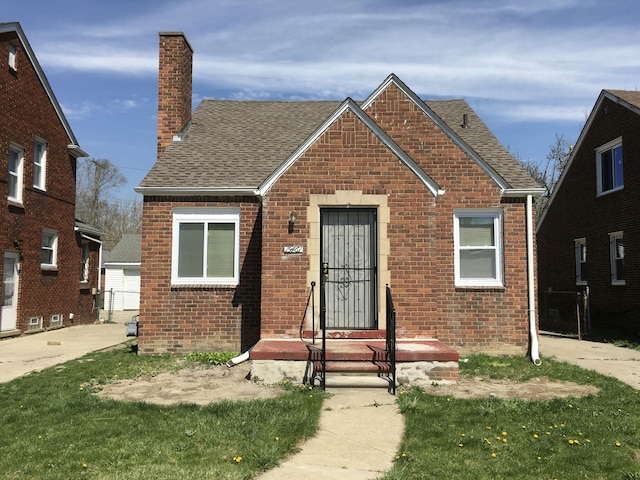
{"type": "Point", "coordinates": [529, 69]}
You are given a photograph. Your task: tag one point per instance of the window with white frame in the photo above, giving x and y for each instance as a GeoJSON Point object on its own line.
{"type": "Point", "coordinates": [39, 163]}
{"type": "Point", "coordinates": [14, 191]}
{"type": "Point", "coordinates": [478, 248]}
{"type": "Point", "coordinates": [616, 244]}
{"type": "Point", "coordinates": [13, 53]}
{"type": "Point", "coordinates": [84, 263]}
{"type": "Point", "coordinates": [206, 246]}
{"type": "Point", "coordinates": [49, 251]}
{"type": "Point", "coordinates": [609, 166]}
{"type": "Point", "coordinates": [580, 246]}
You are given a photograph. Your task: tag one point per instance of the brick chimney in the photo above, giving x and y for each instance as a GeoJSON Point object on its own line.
{"type": "Point", "coordinates": [174, 87]}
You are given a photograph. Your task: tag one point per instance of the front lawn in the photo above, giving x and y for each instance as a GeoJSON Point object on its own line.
{"type": "Point", "coordinates": [594, 437]}
{"type": "Point", "coordinates": [53, 427]}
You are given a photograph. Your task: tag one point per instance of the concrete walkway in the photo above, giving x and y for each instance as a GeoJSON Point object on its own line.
{"type": "Point", "coordinates": [359, 436]}
{"type": "Point", "coordinates": [31, 353]}
{"type": "Point", "coordinates": [619, 362]}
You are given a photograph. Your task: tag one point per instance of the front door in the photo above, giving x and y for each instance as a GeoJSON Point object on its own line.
{"type": "Point", "coordinates": [348, 259]}
{"type": "Point", "coordinates": [9, 291]}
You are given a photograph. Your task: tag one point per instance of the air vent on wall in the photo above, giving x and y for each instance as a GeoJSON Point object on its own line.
{"type": "Point", "coordinates": [34, 323]}
{"type": "Point", "coordinates": [55, 321]}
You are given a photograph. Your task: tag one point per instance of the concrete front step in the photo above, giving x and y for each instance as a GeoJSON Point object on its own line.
{"type": "Point", "coordinates": [353, 367]}
{"type": "Point", "coordinates": [342, 380]}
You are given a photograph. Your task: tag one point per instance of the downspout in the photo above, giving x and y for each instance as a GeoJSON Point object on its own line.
{"type": "Point", "coordinates": [533, 334]}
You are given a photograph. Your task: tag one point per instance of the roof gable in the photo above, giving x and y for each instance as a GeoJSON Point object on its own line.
{"type": "Point", "coordinates": [626, 98]}
{"type": "Point", "coordinates": [15, 27]}
{"type": "Point", "coordinates": [487, 151]}
{"type": "Point", "coordinates": [350, 105]}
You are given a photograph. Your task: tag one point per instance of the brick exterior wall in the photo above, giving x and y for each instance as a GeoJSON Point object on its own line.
{"type": "Point", "coordinates": [174, 87]}
{"type": "Point", "coordinates": [189, 318]}
{"type": "Point", "coordinates": [28, 113]}
{"type": "Point", "coordinates": [420, 231]}
{"type": "Point", "coordinates": [578, 212]}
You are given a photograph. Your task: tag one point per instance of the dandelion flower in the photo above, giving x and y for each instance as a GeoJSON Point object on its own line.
{"type": "Point", "coordinates": [461, 445]}
{"type": "Point", "coordinates": [535, 435]}
{"type": "Point", "coordinates": [84, 465]}
{"type": "Point", "coordinates": [504, 434]}
{"type": "Point", "coordinates": [494, 455]}
{"type": "Point", "coordinates": [277, 439]}
{"type": "Point", "coordinates": [618, 444]}
{"type": "Point", "coordinates": [504, 440]}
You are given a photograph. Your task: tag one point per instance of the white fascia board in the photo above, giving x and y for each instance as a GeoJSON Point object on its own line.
{"type": "Point", "coordinates": [197, 191]}
{"type": "Point", "coordinates": [117, 264]}
{"type": "Point", "coordinates": [440, 123]}
{"type": "Point", "coordinates": [522, 192]}
{"type": "Point", "coordinates": [349, 104]}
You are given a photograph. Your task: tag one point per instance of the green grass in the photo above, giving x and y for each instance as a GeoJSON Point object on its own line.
{"type": "Point", "coordinates": [54, 427]}
{"type": "Point", "coordinates": [594, 437]}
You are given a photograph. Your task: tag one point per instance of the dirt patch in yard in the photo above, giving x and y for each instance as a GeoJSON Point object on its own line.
{"type": "Point", "coordinates": [202, 386]}
{"type": "Point", "coordinates": [535, 389]}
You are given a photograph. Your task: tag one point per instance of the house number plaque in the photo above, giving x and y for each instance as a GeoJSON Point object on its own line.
{"type": "Point", "coordinates": [293, 250]}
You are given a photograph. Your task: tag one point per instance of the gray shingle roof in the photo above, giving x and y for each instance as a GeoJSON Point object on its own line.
{"type": "Point", "coordinates": [245, 141]}
{"type": "Point", "coordinates": [482, 141]}
{"type": "Point", "coordinates": [128, 249]}
{"type": "Point", "coordinates": [629, 96]}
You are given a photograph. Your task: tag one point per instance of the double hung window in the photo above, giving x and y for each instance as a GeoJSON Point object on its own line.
{"type": "Point", "coordinates": [478, 248]}
{"type": "Point", "coordinates": [616, 248]}
{"type": "Point", "coordinates": [14, 192]}
{"type": "Point", "coordinates": [609, 167]}
{"type": "Point", "coordinates": [49, 251]}
{"type": "Point", "coordinates": [205, 246]}
{"type": "Point", "coordinates": [39, 164]}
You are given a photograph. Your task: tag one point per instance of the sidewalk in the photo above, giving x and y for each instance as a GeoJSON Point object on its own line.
{"type": "Point", "coordinates": [621, 363]}
{"type": "Point", "coordinates": [359, 436]}
{"type": "Point", "coordinates": [30, 353]}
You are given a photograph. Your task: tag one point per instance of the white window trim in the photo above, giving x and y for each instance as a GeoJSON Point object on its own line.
{"type": "Point", "coordinates": [42, 163]}
{"type": "Point", "coordinates": [84, 262]}
{"type": "Point", "coordinates": [18, 173]}
{"type": "Point", "coordinates": [54, 249]}
{"type": "Point", "coordinates": [577, 243]}
{"type": "Point", "coordinates": [603, 148]}
{"type": "Point", "coordinates": [499, 248]}
{"type": "Point", "coordinates": [12, 60]}
{"type": "Point", "coordinates": [612, 258]}
{"type": "Point", "coordinates": [205, 215]}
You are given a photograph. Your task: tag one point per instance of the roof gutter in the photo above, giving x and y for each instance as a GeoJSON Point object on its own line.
{"type": "Point", "coordinates": [197, 191]}
{"type": "Point", "coordinates": [76, 151]}
{"type": "Point", "coordinates": [522, 192]}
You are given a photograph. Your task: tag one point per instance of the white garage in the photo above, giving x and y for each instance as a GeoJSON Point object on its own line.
{"type": "Point", "coordinates": [122, 275]}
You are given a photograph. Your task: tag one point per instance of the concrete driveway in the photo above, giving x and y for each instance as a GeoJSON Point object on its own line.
{"type": "Point", "coordinates": [30, 353]}
{"type": "Point", "coordinates": [619, 362]}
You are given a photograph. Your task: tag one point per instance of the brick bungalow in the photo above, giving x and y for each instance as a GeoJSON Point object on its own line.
{"type": "Point", "coordinates": [252, 202]}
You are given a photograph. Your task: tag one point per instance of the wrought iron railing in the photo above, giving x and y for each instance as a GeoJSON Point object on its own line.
{"type": "Point", "coordinates": [391, 341]}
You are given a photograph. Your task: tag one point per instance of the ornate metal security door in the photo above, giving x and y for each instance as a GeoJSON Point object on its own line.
{"type": "Point", "coordinates": [349, 259]}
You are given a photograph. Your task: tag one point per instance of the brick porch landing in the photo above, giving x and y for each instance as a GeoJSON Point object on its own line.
{"type": "Point", "coordinates": [419, 361]}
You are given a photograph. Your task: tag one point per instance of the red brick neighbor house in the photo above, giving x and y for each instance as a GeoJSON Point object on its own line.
{"type": "Point", "coordinates": [589, 236]}
{"type": "Point", "coordinates": [50, 268]}
{"type": "Point", "coordinates": [255, 202]}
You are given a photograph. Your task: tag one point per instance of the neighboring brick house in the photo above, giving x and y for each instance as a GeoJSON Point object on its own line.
{"type": "Point", "coordinates": [251, 198]}
{"type": "Point", "coordinates": [589, 236]}
{"type": "Point", "coordinates": [50, 265]}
